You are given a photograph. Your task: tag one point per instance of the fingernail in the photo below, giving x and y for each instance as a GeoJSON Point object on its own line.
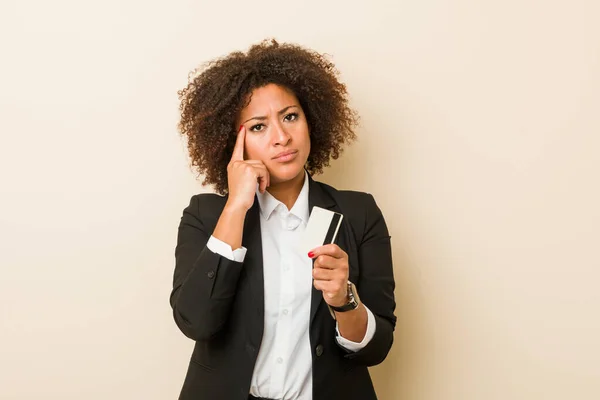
{"type": "Point", "coordinates": [311, 254]}
{"type": "Point", "coordinates": [241, 126]}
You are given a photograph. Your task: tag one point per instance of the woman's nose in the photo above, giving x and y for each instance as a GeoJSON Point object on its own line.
{"type": "Point", "coordinates": [280, 135]}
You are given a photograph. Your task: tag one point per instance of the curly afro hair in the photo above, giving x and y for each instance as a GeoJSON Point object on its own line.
{"type": "Point", "coordinates": [220, 89]}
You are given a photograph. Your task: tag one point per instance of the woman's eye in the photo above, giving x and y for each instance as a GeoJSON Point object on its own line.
{"type": "Point", "coordinates": [257, 127]}
{"type": "Point", "coordinates": [291, 117]}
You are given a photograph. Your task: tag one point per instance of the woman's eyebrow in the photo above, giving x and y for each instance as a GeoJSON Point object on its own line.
{"type": "Point", "coordinates": [279, 113]}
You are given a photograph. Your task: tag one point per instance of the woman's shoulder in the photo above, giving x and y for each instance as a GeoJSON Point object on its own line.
{"type": "Point", "coordinates": [206, 205]}
{"type": "Point", "coordinates": [358, 206]}
{"type": "Point", "coordinates": [354, 197]}
{"type": "Point", "coordinates": [208, 199]}
{"type": "Point", "coordinates": [359, 209]}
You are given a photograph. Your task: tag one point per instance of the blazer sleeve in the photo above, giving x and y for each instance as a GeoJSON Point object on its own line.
{"type": "Point", "coordinates": [204, 283]}
{"type": "Point", "coordinates": [376, 285]}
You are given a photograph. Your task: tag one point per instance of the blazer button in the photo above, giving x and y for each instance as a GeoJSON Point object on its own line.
{"type": "Point", "coordinates": [319, 350]}
{"type": "Point", "coordinates": [211, 274]}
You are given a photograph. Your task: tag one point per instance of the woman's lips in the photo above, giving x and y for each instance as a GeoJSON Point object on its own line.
{"type": "Point", "coordinates": [286, 157]}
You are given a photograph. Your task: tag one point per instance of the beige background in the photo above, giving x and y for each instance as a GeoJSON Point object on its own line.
{"type": "Point", "coordinates": [480, 137]}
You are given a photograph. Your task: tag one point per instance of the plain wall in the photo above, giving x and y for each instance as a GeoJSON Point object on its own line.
{"type": "Point", "coordinates": [479, 138]}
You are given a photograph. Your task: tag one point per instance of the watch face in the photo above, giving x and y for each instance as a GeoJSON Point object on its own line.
{"type": "Point", "coordinates": [351, 290]}
{"type": "Point", "coordinates": [353, 301]}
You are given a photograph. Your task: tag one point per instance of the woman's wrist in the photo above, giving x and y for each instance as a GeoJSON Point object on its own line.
{"type": "Point", "coordinates": [230, 226]}
{"type": "Point", "coordinates": [234, 209]}
{"type": "Point", "coordinates": [352, 325]}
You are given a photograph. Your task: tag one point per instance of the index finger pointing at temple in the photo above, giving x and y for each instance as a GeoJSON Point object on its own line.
{"type": "Point", "coordinates": [238, 150]}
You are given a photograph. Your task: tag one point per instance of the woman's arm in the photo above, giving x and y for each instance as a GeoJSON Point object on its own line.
{"type": "Point", "coordinates": [204, 282]}
{"type": "Point", "coordinates": [376, 284]}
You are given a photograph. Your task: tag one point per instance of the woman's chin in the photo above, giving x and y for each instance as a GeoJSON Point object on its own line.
{"type": "Point", "coordinates": [282, 174]}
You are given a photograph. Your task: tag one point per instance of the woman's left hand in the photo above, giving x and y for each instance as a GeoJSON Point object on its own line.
{"type": "Point", "coordinates": [330, 273]}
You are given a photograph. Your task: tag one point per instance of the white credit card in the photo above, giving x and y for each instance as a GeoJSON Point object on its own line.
{"type": "Point", "coordinates": [322, 228]}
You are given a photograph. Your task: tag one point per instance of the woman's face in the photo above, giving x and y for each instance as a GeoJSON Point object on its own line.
{"type": "Point", "coordinates": [276, 132]}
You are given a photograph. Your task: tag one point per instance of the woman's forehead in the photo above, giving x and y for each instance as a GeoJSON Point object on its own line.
{"type": "Point", "coordinates": [273, 96]}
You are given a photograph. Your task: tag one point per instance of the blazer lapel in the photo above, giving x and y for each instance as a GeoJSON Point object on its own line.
{"type": "Point", "coordinates": [253, 263]}
{"type": "Point", "coordinates": [318, 197]}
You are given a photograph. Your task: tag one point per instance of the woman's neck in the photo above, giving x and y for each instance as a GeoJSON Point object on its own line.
{"type": "Point", "coordinates": [287, 192]}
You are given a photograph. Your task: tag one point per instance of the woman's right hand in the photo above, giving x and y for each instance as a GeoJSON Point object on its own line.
{"type": "Point", "coordinates": [242, 176]}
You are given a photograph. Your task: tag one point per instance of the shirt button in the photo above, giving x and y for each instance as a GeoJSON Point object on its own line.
{"type": "Point", "coordinates": [285, 312]}
{"type": "Point", "coordinates": [279, 360]}
{"type": "Point", "coordinates": [292, 223]}
{"type": "Point", "coordinates": [319, 350]}
{"type": "Point", "coordinates": [211, 274]}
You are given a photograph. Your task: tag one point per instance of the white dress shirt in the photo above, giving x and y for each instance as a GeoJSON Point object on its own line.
{"type": "Point", "coordinates": [283, 368]}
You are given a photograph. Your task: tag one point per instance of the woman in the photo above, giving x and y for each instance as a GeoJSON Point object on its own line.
{"type": "Point", "coordinates": [268, 321]}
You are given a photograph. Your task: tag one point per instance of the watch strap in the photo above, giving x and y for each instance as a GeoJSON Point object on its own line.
{"type": "Point", "coordinates": [353, 301]}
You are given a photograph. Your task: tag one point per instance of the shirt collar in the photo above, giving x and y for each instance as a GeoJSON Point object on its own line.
{"type": "Point", "coordinates": [268, 203]}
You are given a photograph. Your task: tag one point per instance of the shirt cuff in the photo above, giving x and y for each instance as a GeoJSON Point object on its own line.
{"type": "Point", "coordinates": [219, 247]}
{"type": "Point", "coordinates": [353, 346]}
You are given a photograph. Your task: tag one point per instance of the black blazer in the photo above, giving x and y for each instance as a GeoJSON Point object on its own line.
{"type": "Point", "coordinates": [219, 303]}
